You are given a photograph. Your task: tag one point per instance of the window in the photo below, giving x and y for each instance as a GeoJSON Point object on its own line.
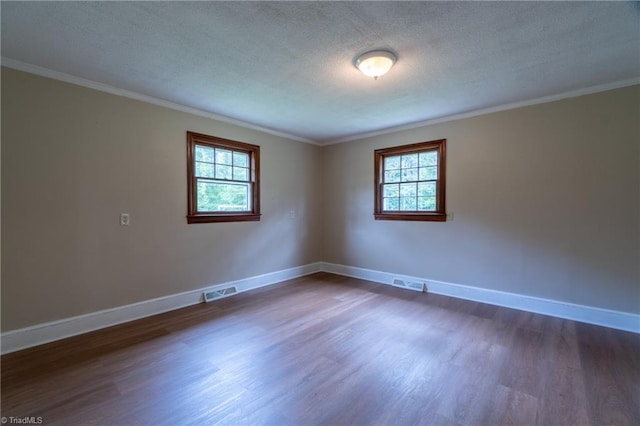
{"type": "Point", "coordinates": [410, 182]}
{"type": "Point", "coordinates": [223, 180]}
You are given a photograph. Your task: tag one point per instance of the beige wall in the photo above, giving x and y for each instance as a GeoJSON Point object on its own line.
{"type": "Point", "coordinates": [546, 203]}
{"type": "Point", "coordinates": [73, 159]}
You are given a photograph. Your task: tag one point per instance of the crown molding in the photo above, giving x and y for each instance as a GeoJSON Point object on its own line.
{"type": "Point", "coordinates": [68, 78]}
{"type": "Point", "coordinates": [545, 99]}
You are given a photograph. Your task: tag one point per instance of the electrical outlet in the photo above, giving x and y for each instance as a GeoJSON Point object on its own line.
{"type": "Point", "coordinates": [124, 219]}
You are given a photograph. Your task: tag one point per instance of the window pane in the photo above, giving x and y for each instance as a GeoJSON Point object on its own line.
{"type": "Point", "coordinates": [410, 185]}
{"type": "Point", "coordinates": [409, 175]}
{"type": "Point", "coordinates": [223, 156]}
{"type": "Point", "coordinates": [204, 169]}
{"type": "Point", "coordinates": [391, 204]}
{"type": "Point", "coordinates": [222, 180]}
{"type": "Point", "coordinates": [408, 203]}
{"type": "Point", "coordinates": [408, 189]}
{"type": "Point", "coordinates": [240, 173]}
{"type": "Point", "coordinates": [223, 172]}
{"type": "Point", "coordinates": [392, 176]}
{"type": "Point", "coordinates": [427, 203]}
{"type": "Point", "coordinates": [428, 173]}
{"type": "Point", "coordinates": [392, 190]}
{"type": "Point", "coordinates": [220, 196]}
{"type": "Point", "coordinates": [429, 158]}
{"type": "Point", "coordinates": [391, 163]}
{"type": "Point", "coordinates": [409, 160]}
{"type": "Point", "coordinates": [204, 153]}
{"type": "Point", "coordinates": [240, 159]}
{"type": "Point", "coordinates": [426, 189]}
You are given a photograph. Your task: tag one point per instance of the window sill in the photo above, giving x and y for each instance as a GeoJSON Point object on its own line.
{"type": "Point", "coordinates": [233, 217]}
{"type": "Point", "coordinates": [424, 217]}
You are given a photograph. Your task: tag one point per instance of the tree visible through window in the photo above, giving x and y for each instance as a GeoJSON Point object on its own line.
{"type": "Point", "coordinates": [223, 178]}
{"type": "Point", "coordinates": [410, 182]}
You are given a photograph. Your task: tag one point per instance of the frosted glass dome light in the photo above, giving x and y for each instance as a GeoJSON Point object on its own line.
{"type": "Point", "coordinates": [375, 63]}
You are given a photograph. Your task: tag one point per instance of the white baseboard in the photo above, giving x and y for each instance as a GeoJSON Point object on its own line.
{"type": "Point", "coordinates": [608, 318]}
{"type": "Point", "coordinates": [23, 338]}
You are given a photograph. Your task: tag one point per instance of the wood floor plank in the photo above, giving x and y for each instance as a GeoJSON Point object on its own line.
{"type": "Point", "coordinates": [328, 349]}
{"type": "Point", "coordinates": [524, 370]}
{"type": "Point", "coordinates": [611, 359]}
{"type": "Point", "coordinates": [512, 408]}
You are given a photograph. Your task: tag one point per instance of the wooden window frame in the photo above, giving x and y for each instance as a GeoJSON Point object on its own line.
{"type": "Point", "coordinates": [440, 214]}
{"type": "Point", "coordinates": [193, 216]}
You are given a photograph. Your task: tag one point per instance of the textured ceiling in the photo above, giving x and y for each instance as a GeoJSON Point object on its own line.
{"type": "Point", "coordinates": [288, 66]}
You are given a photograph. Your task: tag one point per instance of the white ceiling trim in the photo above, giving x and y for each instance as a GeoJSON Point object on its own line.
{"type": "Point", "coordinates": [475, 113]}
{"type": "Point", "coordinates": [68, 78]}
{"type": "Point", "coordinates": [286, 68]}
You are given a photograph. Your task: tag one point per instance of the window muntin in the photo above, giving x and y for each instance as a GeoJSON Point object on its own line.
{"type": "Point", "coordinates": [410, 182]}
{"type": "Point", "coordinates": [223, 179]}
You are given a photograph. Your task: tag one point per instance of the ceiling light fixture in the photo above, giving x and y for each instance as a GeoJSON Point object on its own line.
{"type": "Point", "coordinates": [375, 62]}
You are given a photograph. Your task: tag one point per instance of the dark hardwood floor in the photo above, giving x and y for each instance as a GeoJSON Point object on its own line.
{"type": "Point", "coordinates": [332, 350]}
